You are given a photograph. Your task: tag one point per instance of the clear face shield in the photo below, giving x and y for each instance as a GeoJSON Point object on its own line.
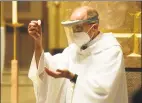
{"type": "Point", "coordinates": [74, 28]}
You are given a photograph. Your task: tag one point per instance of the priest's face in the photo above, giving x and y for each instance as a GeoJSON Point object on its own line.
{"type": "Point", "coordinates": [81, 14]}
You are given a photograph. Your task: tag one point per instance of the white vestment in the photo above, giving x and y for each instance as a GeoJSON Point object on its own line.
{"type": "Point", "coordinates": [100, 69]}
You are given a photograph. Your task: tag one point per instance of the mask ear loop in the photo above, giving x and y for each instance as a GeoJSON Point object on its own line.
{"type": "Point", "coordinates": [89, 31]}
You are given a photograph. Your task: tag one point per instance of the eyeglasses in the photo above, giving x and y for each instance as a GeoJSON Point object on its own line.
{"type": "Point", "coordinates": [77, 28]}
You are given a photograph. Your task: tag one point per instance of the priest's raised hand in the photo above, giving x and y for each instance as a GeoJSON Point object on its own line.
{"type": "Point", "coordinates": [35, 31]}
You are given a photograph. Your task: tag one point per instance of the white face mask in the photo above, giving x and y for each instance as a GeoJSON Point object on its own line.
{"type": "Point", "coordinates": [80, 38]}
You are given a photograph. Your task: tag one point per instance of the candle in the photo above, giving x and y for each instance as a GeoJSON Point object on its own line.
{"type": "Point", "coordinates": [14, 12]}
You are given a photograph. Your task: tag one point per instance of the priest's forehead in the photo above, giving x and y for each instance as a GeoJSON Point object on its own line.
{"type": "Point", "coordinates": [83, 13]}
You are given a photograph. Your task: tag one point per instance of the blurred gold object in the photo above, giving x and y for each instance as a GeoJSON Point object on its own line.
{"type": "Point", "coordinates": [57, 3]}
{"type": "Point", "coordinates": [135, 48]}
{"type": "Point", "coordinates": [2, 13]}
{"type": "Point", "coordinates": [125, 41]}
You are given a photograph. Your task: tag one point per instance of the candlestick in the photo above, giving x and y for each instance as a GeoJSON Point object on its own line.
{"type": "Point", "coordinates": [14, 62]}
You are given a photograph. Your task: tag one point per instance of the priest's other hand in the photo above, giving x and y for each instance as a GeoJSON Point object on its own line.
{"type": "Point", "coordinates": [60, 73]}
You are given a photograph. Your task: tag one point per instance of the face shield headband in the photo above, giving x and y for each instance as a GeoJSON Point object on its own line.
{"type": "Point", "coordinates": [92, 20]}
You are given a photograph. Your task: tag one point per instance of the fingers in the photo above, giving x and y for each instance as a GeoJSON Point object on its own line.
{"type": "Point", "coordinates": [33, 29]}
{"type": "Point", "coordinates": [34, 21]}
{"type": "Point", "coordinates": [64, 72]}
{"type": "Point", "coordinates": [34, 34]}
{"type": "Point", "coordinates": [59, 70]}
{"type": "Point", "coordinates": [59, 73]}
{"type": "Point", "coordinates": [52, 73]}
{"type": "Point", "coordinates": [32, 24]}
